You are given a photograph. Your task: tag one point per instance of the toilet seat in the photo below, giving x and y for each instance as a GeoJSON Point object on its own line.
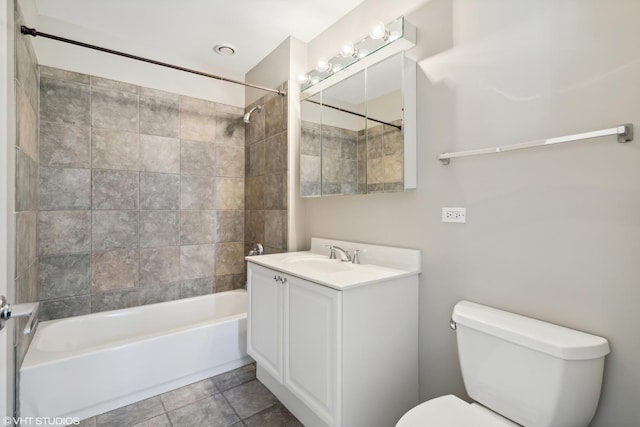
{"type": "Point", "coordinates": [451, 411]}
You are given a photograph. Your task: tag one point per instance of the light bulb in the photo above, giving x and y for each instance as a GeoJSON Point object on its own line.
{"type": "Point", "coordinates": [394, 35]}
{"type": "Point", "coordinates": [303, 78]}
{"type": "Point", "coordinates": [323, 65]}
{"type": "Point", "coordinates": [378, 31]}
{"type": "Point", "coordinates": [348, 50]}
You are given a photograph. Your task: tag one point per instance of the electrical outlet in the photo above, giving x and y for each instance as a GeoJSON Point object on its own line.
{"type": "Point", "coordinates": [454, 215]}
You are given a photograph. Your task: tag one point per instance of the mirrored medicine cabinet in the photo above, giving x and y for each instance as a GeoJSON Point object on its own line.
{"type": "Point", "coordinates": [358, 136]}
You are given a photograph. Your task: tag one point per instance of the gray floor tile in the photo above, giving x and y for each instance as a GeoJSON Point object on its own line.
{"type": "Point", "coordinates": [236, 377]}
{"type": "Point", "coordinates": [159, 421]}
{"type": "Point", "coordinates": [189, 394]}
{"type": "Point", "coordinates": [245, 402]}
{"type": "Point", "coordinates": [89, 422]}
{"type": "Point", "coordinates": [275, 416]}
{"type": "Point", "coordinates": [212, 411]}
{"type": "Point", "coordinates": [131, 414]}
{"type": "Point", "coordinates": [250, 398]}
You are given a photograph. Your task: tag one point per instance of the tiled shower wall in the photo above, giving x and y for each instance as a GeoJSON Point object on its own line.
{"type": "Point", "coordinates": [26, 157]}
{"type": "Point", "coordinates": [141, 195]}
{"type": "Point", "coordinates": [266, 174]}
{"type": "Point", "coordinates": [384, 148]}
{"type": "Point", "coordinates": [335, 161]}
{"type": "Point", "coordinates": [339, 169]}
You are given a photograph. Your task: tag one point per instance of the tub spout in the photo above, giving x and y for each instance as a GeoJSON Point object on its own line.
{"type": "Point", "coordinates": [30, 310]}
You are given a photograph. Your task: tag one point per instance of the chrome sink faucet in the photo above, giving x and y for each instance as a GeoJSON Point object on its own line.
{"type": "Point", "coordinates": [344, 254]}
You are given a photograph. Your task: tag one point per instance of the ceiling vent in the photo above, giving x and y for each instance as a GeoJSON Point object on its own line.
{"type": "Point", "coordinates": [224, 49]}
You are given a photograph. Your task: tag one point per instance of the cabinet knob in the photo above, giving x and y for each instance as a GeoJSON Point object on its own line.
{"type": "Point", "coordinates": [280, 279]}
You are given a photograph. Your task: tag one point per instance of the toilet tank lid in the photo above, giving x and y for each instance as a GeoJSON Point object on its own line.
{"type": "Point", "coordinates": [558, 341]}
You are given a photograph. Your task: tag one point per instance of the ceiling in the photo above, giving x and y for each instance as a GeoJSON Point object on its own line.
{"type": "Point", "coordinates": [186, 30]}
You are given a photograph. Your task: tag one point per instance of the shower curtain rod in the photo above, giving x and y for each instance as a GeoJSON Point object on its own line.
{"type": "Point", "coordinates": [35, 33]}
{"type": "Point", "coordinates": [354, 113]}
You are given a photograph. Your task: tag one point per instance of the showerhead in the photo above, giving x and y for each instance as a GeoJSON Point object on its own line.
{"type": "Point", "coordinates": [247, 116]}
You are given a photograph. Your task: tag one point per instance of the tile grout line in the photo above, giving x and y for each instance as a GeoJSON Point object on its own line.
{"type": "Point", "coordinates": [230, 405]}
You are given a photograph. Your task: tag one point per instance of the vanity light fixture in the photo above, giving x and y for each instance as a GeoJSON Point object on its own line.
{"type": "Point", "coordinates": [379, 31]}
{"type": "Point", "coordinates": [323, 65]}
{"type": "Point", "coordinates": [348, 50]}
{"type": "Point", "coordinates": [394, 37]}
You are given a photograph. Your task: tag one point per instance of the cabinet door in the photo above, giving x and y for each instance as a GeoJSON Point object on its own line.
{"type": "Point", "coordinates": [264, 318]}
{"type": "Point", "coordinates": [312, 324]}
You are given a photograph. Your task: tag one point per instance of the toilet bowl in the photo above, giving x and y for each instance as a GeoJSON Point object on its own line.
{"type": "Point", "coordinates": [520, 371]}
{"type": "Point", "coordinates": [451, 411]}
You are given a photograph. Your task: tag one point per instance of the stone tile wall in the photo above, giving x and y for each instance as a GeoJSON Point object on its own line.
{"type": "Point", "coordinates": [384, 159]}
{"type": "Point", "coordinates": [336, 161]}
{"type": "Point", "coordinates": [336, 171]}
{"type": "Point", "coordinates": [26, 180]}
{"type": "Point", "coordinates": [141, 195]}
{"type": "Point", "coordinates": [266, 175]}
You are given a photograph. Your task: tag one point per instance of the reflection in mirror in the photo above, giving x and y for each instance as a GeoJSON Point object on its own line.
{"type": "Point", "coordinates": [343, 118]}
{"type": "Point", "coordinates": [310, 147]}
{"type": "Point", "coordinates": [358, 135]}
{"type": "Point", "coordinates": [385, 140]}
{"type": "Point", "coordinates": [332, 121]}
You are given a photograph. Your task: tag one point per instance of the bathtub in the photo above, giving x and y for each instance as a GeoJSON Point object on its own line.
{"type": "Point", "coordinates": [86, 365]}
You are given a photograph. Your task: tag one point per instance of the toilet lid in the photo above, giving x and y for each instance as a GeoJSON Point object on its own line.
{"type": "Point", "coordinates": [450, 411]}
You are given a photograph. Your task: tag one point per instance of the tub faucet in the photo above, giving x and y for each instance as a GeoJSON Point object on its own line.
{"type": "Point", "coordinates": [257, 250]}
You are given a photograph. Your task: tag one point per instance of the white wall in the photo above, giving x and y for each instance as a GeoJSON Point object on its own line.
{"type": "Point", "coordinates": [83, 60]}
{"type": "Point", "coordinates": [551, 233]}
{"type": "Point", "coordinates": [7, 204]}
{"type": "Point", "coordinates": [271, 72]}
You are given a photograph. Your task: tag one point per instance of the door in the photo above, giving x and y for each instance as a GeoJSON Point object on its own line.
{"type": "Point", "coordinates": [264, 318]}
{"type": "Point", "coordinates": [312, 346]}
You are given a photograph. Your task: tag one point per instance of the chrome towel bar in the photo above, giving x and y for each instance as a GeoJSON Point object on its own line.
{"type": "Point", "coordinates": [624, 133]}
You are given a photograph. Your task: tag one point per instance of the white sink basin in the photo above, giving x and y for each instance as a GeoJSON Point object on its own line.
{"type": "Point", "coordinates": [378, 263]}
{"type": "Point", "coordinates": [318, 265]}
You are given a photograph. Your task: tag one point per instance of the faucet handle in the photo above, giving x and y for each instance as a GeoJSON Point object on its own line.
{"type": "Point", "coordinates": [332, 251]}
{"type": "Point", "coordinates": [356, 258]}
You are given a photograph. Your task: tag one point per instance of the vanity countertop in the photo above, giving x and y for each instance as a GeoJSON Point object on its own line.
{"type": "Point", "coordinates": [334, 273]}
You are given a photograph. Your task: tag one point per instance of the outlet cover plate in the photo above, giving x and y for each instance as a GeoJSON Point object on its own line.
{"type": "Point", "coordinates": [458, 215]}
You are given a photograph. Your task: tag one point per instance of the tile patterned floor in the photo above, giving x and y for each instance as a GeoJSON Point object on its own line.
{"type": "Point", "coordinates": [233, 399]}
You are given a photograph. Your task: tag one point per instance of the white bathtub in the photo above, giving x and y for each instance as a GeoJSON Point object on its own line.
{"type": "Point", "coordinates": [86, 365]}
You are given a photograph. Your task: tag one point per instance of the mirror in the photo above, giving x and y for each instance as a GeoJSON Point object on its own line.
{"type": "Point", "coordinates": [354, 134]}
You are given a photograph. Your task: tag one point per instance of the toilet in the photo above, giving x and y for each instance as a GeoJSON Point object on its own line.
{"type": "Point", "coordinates": [519, 371]}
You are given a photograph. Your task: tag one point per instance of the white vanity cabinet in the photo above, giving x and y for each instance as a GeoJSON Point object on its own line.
{"type": "Point", "coordinates": [335, 356]}
{"type": "Point", "coordinates": [264, 329]}
{"type": "Point", "coordinates": [294, 334]}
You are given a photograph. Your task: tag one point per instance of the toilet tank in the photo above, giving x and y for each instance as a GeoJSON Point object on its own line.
{"type": "Point", "coordinates": [535, 373]}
